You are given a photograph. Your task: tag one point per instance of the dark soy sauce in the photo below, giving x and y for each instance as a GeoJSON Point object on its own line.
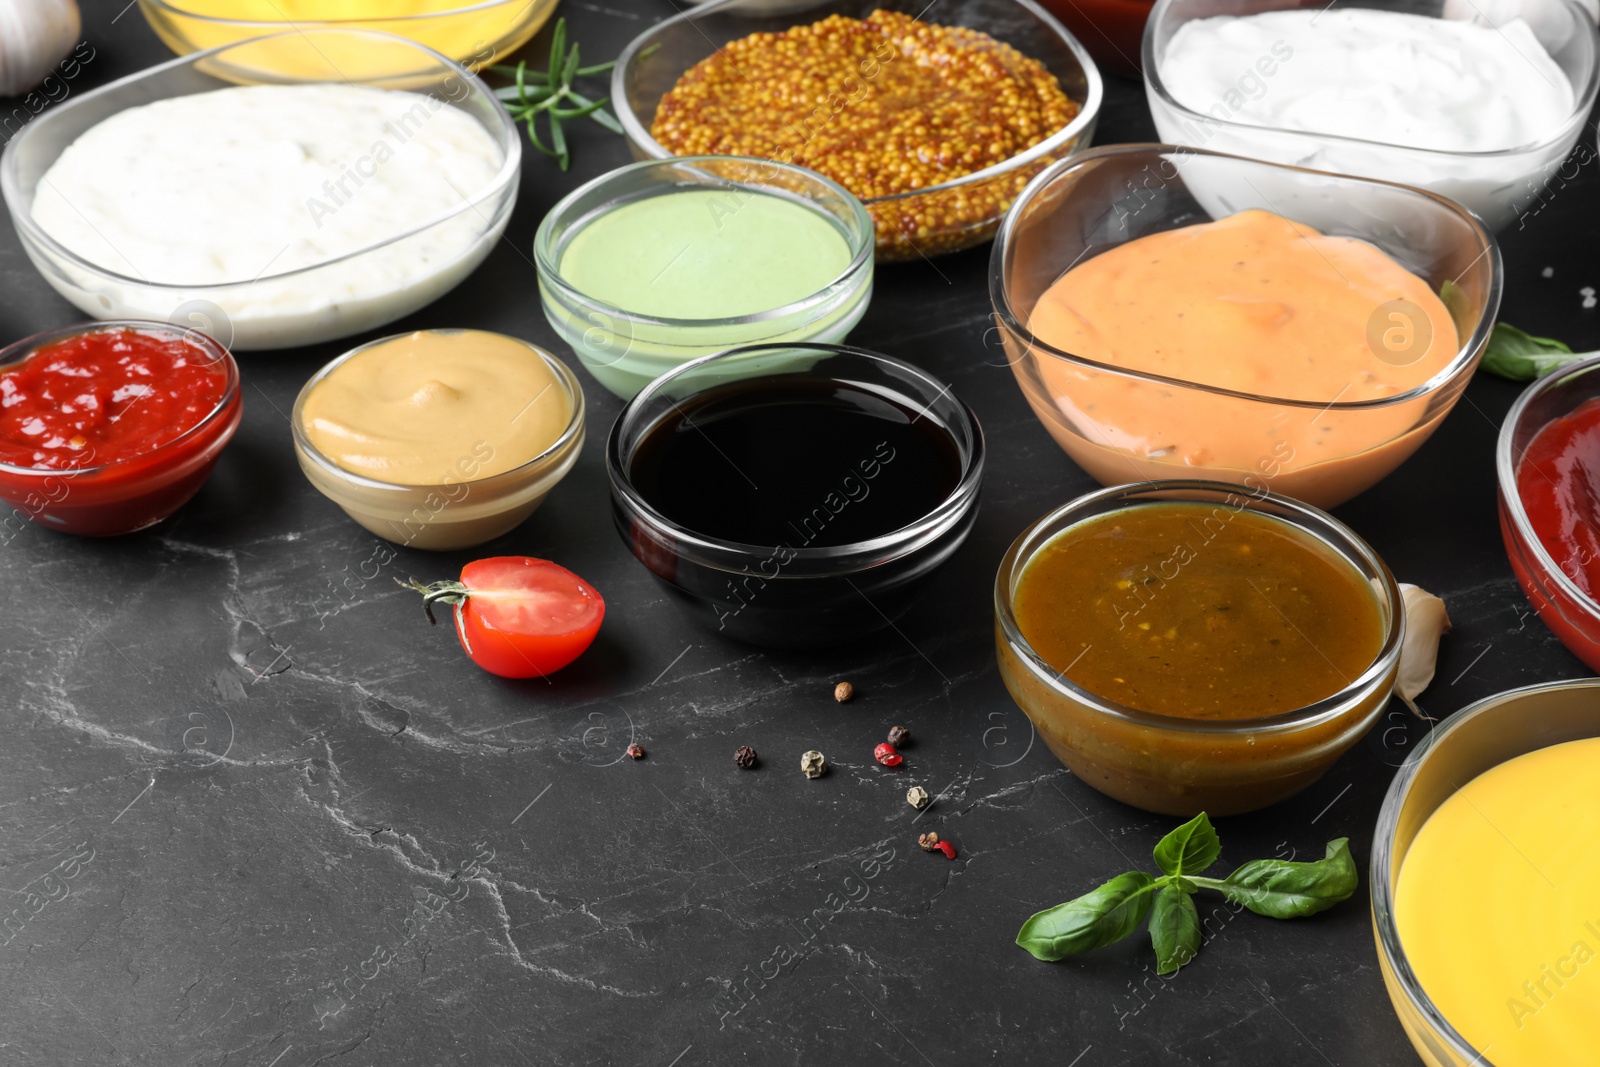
{"type": "Point", "coordinates": [795, 461]}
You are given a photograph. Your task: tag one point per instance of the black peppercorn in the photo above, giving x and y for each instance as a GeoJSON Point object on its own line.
{"type": "Point", "coordinates": [745, 757]}
{"type": "Point", "coordinates": [898, 735]}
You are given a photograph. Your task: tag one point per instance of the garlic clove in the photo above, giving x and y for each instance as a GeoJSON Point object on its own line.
{"type": "Point", "coordinates": [1426, 622]}
{"type": "Point", "coordinates": [35, 35]}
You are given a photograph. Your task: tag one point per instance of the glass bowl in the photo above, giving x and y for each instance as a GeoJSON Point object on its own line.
{"type": "Point", "coordinates": [1112, 30]}
{"type": "Point", "coordinates": [1498, 185]}
{"type": "Point", "coordinates": [130, 494]}
{"type": "Point", "coordinates": [1471, 741]}
{"type": "Point", "coordinates": [451, 514]}
{"type": "Point", "coordinates": [626, 351]}
{"type": "Point", "coordinates": [1109, 196]}
{"type": "Point", "coordinates": [473, 33]}
{"type": "Point", "coordinates": [322, 302]}
{"type": "Point", "coordinates": [971, 206]}
{"type": "Point", "coordinates": [782, 596]}
{"type": "Point", "coordinates": [1179, 766]}
{"type": "Point", "coordinates": [1571, 614]}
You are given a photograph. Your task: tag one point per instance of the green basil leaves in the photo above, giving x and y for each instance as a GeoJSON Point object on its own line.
{"type": "Point", "coordinates": [1522, 357]}
{"type": "Point", "coordinates": [1279, 889]}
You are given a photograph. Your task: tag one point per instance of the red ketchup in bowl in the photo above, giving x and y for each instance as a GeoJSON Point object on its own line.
{"type": "Point", "coordinates": [1558, 481]}
{"type": "Point", "coordinates": [109, 428]}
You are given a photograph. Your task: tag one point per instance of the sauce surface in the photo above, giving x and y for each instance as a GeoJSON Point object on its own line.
{"type": "Point", "coordinates": [104, 396]}
{"type": "Point", "coordinates": [1198, 611]}
{"type": "Point", "coordinates": [1254, 303]}
{"type": "Point", "coordinates": [245, 183]}
{"type": "Point", "coordinates": [1559, 483]}
{"type": "Point", "coordinates": [702, 254]}
{"type": "Point", "coordinates": [1498, 908]}
{"type": "Point", "coordinates": [434, 407]}
{"type": "Point", "coordinates": [1448, 84]}
{"type": "Point", "coordinates": [799, 463]}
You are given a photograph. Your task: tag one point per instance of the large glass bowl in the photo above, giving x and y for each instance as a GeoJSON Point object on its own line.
{"type": "Point", "coordinates": [940, 218]}
{"type": "Point", "coordinates": [1498, 185]}
{"type": "Point", "coordinates": [322, 302]}
{"type": "Point", "coordinates": [1106, 197]}
{"type": "Point", "coordinates": [1179, 766]}
{"type": "Point", "coordinates": [1470, 742]}
{"type": "Point", "coordinates": [1571, 614]}
{"type": "Point", "coordinates": [474, 33]}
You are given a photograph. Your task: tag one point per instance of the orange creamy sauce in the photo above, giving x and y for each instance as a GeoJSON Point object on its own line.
{"type": "Point", "coordinates": [1199, 611]}
{"type": "Point", "coordinates": [1253, 303]}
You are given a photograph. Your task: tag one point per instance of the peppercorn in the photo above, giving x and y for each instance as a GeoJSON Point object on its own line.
{"type": "Point", "coordinates": [899, 735]}
{"type": "Point", "coordinates": [929, 841]}
{"type": "Point", "coordinates": [636, 750]}
{"type": "Point", "coordinates": [813, 764]}
{"type": "Point", "coordinates": [886, 755]}
{"type": "Point", "coordinates": [948, 849]}
{"type": "Point", "coordinates": [843, 692]}
{"type": "Point", "coordinates": [917, 797]}
{"type": "Point", "coordinates": [745, 757]}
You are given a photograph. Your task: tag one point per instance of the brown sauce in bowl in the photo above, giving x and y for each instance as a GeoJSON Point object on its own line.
{"type": "Point", "coordinates": [1199, 611]}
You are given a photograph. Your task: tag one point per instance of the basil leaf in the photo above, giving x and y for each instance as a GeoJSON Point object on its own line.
{"type": "Point", "coordinates": [1522, 357]}
{"type": "Point", "coordinates": [1190, 848]}
{"type": "Point", "coordinates": [1174, 929]}
{"type": "Point", "coordinates": [1281, 889]}
{"type": "Point", "coordinates": [1101, 917]}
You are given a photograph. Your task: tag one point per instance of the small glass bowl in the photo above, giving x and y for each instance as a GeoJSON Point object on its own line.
{"type": "Point", "coordinates": [451, 514]}
{"type": "Point", "coordinates": [1571, 614]}
{"type": "Point", "coordinates": [971, 204]}
{"type": "Point", "coordinates": [818, 596]}
{"type": "Point", "coordinates": [1498, 185]}
{"type": "Point", "coordinates": [473, 33]}
{"type": "Point", "coordinates": [1470, 742]}
{"type": "Point", "coordinates": [323, 302]}
{"type": "Point", "coordinates": [129, 494]}
{"type": "Point", "coordinates": [1109, 196]}
{"type": "Point", "coordinates": [626, 351]}
{"type": "Point", "coordinates": [1179, 766]}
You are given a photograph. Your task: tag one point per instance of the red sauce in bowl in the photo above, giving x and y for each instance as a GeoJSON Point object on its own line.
{"type": "Point", "coordinates": [1559, 483]}
{"type": "Point", "coordinates": [108, 428]}
{"type": "Point", "coordinates": [105, 396]}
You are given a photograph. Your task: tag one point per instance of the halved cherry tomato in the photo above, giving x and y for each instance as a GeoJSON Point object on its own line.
{"type": "Point", "coordinates": [517, 616]}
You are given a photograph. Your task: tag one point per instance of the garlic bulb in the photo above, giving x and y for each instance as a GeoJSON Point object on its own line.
{"type": "Point", "coordinates": [34, 36]}
{"type": "Point", "coordinates": [1426, 622]}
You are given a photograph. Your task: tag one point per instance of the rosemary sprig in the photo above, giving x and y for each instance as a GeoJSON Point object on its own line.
{"type": "Point", "coordinates": [552, 95]}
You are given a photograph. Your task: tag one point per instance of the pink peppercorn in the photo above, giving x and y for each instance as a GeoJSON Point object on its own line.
{"type": "Point", "coordinates": [948, 849]}
{"type": "Point", "coordinates": [886, 755]}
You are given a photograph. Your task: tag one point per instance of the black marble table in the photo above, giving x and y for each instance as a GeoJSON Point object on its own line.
{"type": "Point", "coordinates": [305, 830]}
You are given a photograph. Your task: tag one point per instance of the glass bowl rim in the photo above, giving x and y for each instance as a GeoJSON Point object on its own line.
{"type": "Point", "coordinates": [564, 374]}
{"type": "Point", "coordinates": [862, 244]}
{"type": "Point", "coordinates": [19, 351]}
{"type": "Point", "coordinates": [1000, 289]}
{"type": "Point", "coordinates": [169, 7]}
{"type": "Point", "coordinates": [1583, 97]}
{"type": "Point", "coordinates": [1506, 474]}
{"type": "Point", "coordinates": [22, 213]}
{"type": "Point", "coordinates": [1324, 710]}
{"type": "Point", "coordinates": [1388, 934]}
{"type": "Point", "coordinates": [1088, 109]}
{"type": "Point", "coordinates": [958, 502]}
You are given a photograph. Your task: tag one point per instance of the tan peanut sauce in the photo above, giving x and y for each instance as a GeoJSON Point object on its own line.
{"type": "Point", "coordinates": [435, 407]}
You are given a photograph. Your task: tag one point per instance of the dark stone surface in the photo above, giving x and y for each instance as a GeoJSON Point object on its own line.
{"type": "Point", "coordinates": [274, 759]}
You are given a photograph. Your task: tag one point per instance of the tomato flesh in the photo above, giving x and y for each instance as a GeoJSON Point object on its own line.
{"type": "Point", "coordinates": [526, 617]}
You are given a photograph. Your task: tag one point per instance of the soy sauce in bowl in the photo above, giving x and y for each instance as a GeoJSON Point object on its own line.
{"type": "Point", "coordinates": [792, 495]}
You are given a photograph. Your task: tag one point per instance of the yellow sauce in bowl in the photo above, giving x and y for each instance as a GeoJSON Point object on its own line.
{"type": "Point", "coordinates": [1498, 908]}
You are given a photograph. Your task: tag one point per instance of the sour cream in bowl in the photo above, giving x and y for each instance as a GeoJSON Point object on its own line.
{"type": "Point", "coordinates": [1480, 104]}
